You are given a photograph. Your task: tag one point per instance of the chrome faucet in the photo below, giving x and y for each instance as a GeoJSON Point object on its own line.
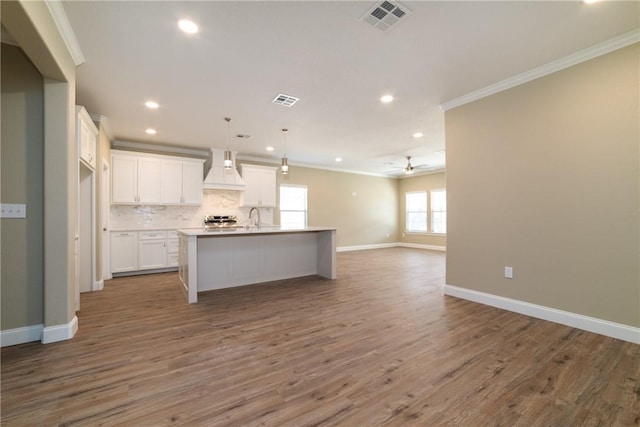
{"type": "Point", "coordinates": [257, 224]}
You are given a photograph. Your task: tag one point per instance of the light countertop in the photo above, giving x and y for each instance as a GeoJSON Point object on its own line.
{"type": "Point", "coordinates": [243, 231]}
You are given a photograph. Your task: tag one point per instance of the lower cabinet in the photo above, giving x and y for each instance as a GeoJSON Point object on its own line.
{"type": "Point", "coordinates": [152, 250]}
{"type": "Point", "coordinates": [133, 251]}
{"type": "Point", "coordinates": [172, 249]}
{"type": "Point", "coordinates": [124, 251]}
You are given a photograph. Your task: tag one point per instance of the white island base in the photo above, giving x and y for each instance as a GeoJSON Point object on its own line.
{"type": "Point", "coordinates": [222, 259]}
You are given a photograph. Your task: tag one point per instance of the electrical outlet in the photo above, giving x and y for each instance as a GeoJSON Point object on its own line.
{"type": "Point", "coordinates": [8, 210]}
{"type": "Point", "coordinates": [508, 272]}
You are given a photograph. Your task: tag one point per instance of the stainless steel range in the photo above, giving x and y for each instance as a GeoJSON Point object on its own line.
{"type": "Point", "coordinates": [220, 221]}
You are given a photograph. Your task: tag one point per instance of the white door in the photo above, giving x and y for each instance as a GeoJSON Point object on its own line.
{"type": "Point", "coordinates": [86, 223]}
{"type": "Point", "coordinates": [105, 214]}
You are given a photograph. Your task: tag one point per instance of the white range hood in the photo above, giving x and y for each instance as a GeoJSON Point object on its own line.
{"type": "Point", "coordinates": [216, 177]}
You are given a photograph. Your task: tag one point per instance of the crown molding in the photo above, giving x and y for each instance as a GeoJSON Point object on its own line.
{"type": "Point", "coordinates": [66, 31]}
{"type": "Point", "coordinates": [158, 148]}
{"type": "Point", "coordinates": [309, 166]}
{"type": "Point", "coordinates": [104, 123]}
{"type": "Point", "coordinates": [600, 49]}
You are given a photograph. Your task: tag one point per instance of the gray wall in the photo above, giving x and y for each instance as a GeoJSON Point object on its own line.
{"type": "Point", "coordinates": [545, 178]}
{"type": "Point", "coordinates": [22, 160]}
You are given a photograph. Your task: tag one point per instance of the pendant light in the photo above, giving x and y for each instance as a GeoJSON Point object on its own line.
{"type": "Point", "coordinates": [285, 163]}
{"type": "Point", "coordinates": [228, 161]}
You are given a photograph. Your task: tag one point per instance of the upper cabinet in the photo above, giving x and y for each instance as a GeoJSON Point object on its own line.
{"type": "Point", "coordinates": [87, 137]}
{"type": "Point", "coordinates": [260, 186]}
{"type": "Point", "coordinates": [155, 180]}
{"type": "Point", "coordinates": [181, 182]}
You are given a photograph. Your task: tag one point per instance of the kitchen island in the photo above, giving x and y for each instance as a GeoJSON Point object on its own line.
{"type": "Point", "coordinates": [222, 258]}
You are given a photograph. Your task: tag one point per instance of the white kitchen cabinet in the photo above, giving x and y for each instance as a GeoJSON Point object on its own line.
{"type": "Point", "coordinates": [172, 249]}
{"type": "Point", "coordinates": [124, 251]}
{"type": "Point", "coordinates": [152, 250]}
{"type": "Point", "coordinates": [135, 179]}
{"type": "Point", "coordinates": [87, 137]}
{"type": "Point", "coordinates": [137, 251]}
{"type": "Point", "coordinates": [181, 182]}
{"type": "Point", "coordinates": [148, 180]}
{"type": "Point", "coordinates": [260, 186]}
{"type": "Point", "coordinates": [155, 179]}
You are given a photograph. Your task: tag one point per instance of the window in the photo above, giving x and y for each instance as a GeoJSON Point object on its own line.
{"type": "Point", "coordinates": [293, 206]}
{"type": "Point", "coordinates": [416, 207]}
{"type": "Point", "coordinates": [438, 211]}
{"type": "Point", "coordinates": [418, 216]}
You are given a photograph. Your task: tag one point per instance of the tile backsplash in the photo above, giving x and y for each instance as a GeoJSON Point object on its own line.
{"type": "Point", "coordinates": [214, 202]}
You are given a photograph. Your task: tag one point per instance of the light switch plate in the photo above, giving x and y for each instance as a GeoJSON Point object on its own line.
{"type": "Point", "coordinates": [508, 272]}
{"type": "Point", "coordinates": [9, 210]}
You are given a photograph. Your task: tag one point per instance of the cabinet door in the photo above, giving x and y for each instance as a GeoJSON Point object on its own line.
{"type": "Point", "coordinates": [124, 252]}
{"type": "Point", "coordinates": [268, 188]}
{"type": "Point", "coordinates": [152, 254]}
{"type": "Point", "coordinates": [251, 195]}
{"type": "Point", "coordinates": [87, 136]}
{"type": "Point", "coordinates": [171, 182]}
{"type": "Point", "coordinates": [192, 183]}
{"type": "Point", "coordinates": [148, 180]}
{"type": "Point", "coordinates": [124, 179]}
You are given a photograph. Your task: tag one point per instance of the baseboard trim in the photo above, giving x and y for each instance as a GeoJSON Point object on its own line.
{"type": "Point", "coordinates": [579, 321]}
{"type": "Point", "coordinates": [419, 246]}
{"type": "Point", "coordinates": [57, 333]}
{"type": "Point", "coordinates": [21, 335]}
{"type": "Point", "coordinates": [99, 285]}
{"type": "Point", "coordinates": [390, 245]}
{"type": "Point", "coordinates": [365, 247]}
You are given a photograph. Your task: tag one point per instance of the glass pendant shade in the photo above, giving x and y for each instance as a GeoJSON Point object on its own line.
{"type": "Point", "coordinates": [228, 162]}
{"type": "Point", "coordinates": [284, 168]}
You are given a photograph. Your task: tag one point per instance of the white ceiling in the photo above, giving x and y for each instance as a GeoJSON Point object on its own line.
{"type": "Point", "coordinates": [246, 53]}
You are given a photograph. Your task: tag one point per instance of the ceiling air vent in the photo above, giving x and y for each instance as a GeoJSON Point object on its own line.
{"type": "Point", "coordinates": [286, 100]}
{"type": "Point", "coordinates": [386, 14]}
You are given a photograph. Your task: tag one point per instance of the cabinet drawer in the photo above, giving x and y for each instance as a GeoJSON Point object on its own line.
{"type": "Point", "coordinates": [172, 246]}
{"type": "Point", "coordinates": [147, 235]}
{"type": "Point", "coordinates": [172, 234]}
{"type": "Point", "coordinates": [172, 260]}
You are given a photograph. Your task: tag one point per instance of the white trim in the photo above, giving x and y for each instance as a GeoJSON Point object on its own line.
{"type": "Point", "coordinates": [273, 161]}
{"type": "Point", "coordinates": [365, 247]}
{"type": "Point", "coordinates": [146, 147]}
{"type": "Point", "coordinates": [60, 332]}
{"type": "Point", "coordinates": [419, 246]}
{"type": "Point", "coordinates": [390, 245]}
{"type": "Point", "coordinates": [66, 31]}
{"type": "Point", "coordinates": [568, 61]}
{"type": "Point", "coordinates": [20, 335]}
{"type": "Point", "coordinates": [98, 286]}
{"type": "Point", "coordinates": [586, 323]}
{"type": "Point", "coordinates": [104, 123]}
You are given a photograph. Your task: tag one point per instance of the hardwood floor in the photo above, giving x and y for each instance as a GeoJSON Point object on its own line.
{"type": "Point", "coordinates": [380, 346]}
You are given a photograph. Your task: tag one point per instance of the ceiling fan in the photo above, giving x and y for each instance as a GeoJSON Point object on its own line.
{"type": "Point", "coordinates": [409, 169]}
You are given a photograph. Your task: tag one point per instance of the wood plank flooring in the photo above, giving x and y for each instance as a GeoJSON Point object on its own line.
{"type": "Point", "coordinates": [380, 346]}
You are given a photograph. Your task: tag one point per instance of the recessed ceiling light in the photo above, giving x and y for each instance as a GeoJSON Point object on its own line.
{"type": "Point", "coordinates": [338, 159]}
{"type": "Point", "coordinates": [590, 1]}
{"type": "Point", "coordinates": [151, 131]}
{"type": "Point", "coordinates": [417, 135]}
{"type": "Point", "coordinates": [151, 104]}
{"type": "Point", "coordinates": [188, 26]}
{"type": "Point", "coordinates": [270, 148]}
{"type": "Point", "coordinates": [386, 99]}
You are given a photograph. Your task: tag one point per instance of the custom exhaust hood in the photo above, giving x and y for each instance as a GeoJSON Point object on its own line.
{"type": "Point", "coordinates": [216, 177]}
